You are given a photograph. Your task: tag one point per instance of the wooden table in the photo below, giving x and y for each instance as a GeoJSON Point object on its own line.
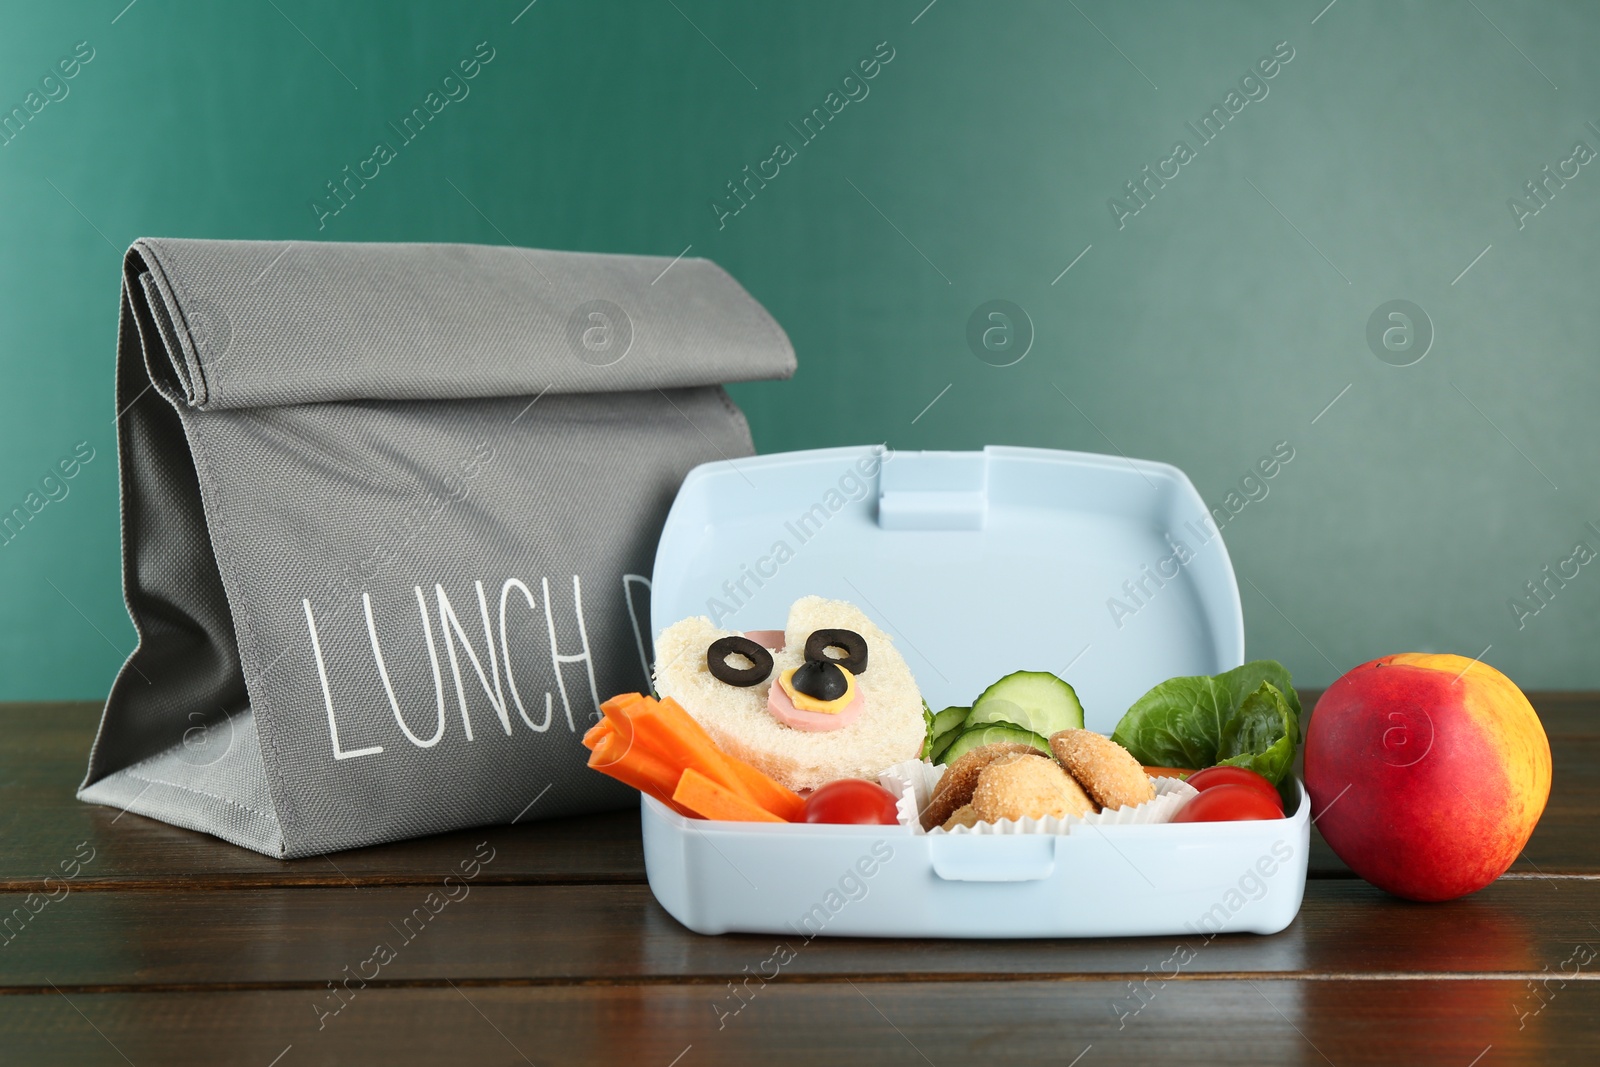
{"type": "Point", "coordinates": [169, 947]}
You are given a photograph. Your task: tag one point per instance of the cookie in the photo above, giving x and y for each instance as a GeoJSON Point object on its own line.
{"type": "Point", "coordinates": [1106, 771]}
{"type": "Point", "coordinates": [962, 816]}
{"type": "Point", "coordinates": [955, 788]}
{"type": "Point", "coordinates": [1027, 787]}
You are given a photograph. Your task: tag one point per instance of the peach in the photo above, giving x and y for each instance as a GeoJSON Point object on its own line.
{"type": "Point", "coordinates": [1427, 773]}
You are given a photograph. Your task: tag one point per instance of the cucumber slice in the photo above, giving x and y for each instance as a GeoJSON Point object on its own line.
{"type": "Point", "coordinates": [940, 743]}
{"type": "Point", "coordinates": [1034, 700]}
{"type": "Point", "coordinates": [945, 726]}
{"type": "Point", "coordinates": [948, 719]}
{"type": "Point", "coordinates": [940, 728]}
{"type": "Point", "coordinates": [978, 736]}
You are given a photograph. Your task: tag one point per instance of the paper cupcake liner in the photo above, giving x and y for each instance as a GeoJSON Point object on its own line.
{"type": "Point", "coordinates": [914, 781]}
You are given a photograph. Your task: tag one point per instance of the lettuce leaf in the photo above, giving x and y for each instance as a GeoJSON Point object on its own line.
{"type": "Point", "coordinates": [1262, 735]}
{"type": "Point", "coordinates": [1246, 717]}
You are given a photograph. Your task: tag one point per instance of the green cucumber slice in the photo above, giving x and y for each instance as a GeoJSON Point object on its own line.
{"type": "Point", "coordinates": [1035, 700]}
{"type": "Point", "coordinates": [936, 750]}
{"type": "Point", "coordinates": [942, 729]}
{"type": "Point", "coordinates": [947, 720]}
{"type": "Point", "coordinates": [978, 736]}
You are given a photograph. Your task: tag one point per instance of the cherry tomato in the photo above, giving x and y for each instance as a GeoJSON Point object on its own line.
{"type": "Point", "coordinates": [1215, 776]}
{"type": "Point", "coordinates": [1228, 803]}
{"type": "Point", "coordinates": [851, 800]}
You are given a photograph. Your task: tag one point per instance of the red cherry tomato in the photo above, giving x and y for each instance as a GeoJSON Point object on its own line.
{"type": "Point", "coordinates": [1228, 803]}
{"type": "Point", "coordinates": [1215, 776]}
{"type": "Point", "coordinates": [851, 800]}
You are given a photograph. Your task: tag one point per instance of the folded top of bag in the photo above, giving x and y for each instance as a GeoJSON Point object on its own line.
{"type": "Point", "coordinates": [268, 323]}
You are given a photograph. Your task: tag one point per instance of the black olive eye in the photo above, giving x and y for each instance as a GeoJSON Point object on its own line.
{"type": "Point", "coordinates": [851, 644]}
{"type": "Point", "coordinates": [723, 671]}
{"type": "Point", "coordinates": [820, 678]}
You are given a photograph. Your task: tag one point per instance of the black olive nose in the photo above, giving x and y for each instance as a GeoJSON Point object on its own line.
{"type": "Point", "coordinates": [820, 678]}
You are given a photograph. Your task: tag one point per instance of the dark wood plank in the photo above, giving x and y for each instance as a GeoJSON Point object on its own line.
{"type": "Point", "coordinates": [42, 824]}
{"type": "Point", "coordinates": [877, 1024]}
{"type": "Point", "coordinates": [1568, 714]}
{"type": "Point", "coordinates": [570, 934]}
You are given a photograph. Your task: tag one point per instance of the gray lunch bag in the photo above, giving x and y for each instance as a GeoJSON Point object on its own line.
{"type": "Point", "coordinates": [388, 519]}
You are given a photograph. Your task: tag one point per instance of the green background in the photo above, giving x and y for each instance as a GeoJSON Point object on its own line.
{"type": "Point", "coordinates": [1220, 321]}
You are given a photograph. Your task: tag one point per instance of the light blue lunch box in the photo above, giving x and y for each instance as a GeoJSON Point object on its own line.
{"type": "Point", "coordinates": [1105, 570]}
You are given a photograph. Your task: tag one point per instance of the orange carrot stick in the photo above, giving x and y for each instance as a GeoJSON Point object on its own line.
{"type": "Point", "coordinates": [776, 798]}
{"type": "Point", "coordinates": [634, 769]}
{"type": "Point", "coordinates": [621, 702]}
{"type": "Point", "coordinates": [662, 735]}
{"type": "Point", "coordinates": [619, 711]}
{"type": "Point", "coordinates": [591, 737]}
{"type": "Point", "coordinates": [671, 711]}
{"type": "Point", "coordinates": [772, 796]}
{"type": "Point", "coordinates": [614, 751]}
{"type": "Point", "coordinates": [652, 742]}
{"type": "Point", "coordinates": [709, 799]}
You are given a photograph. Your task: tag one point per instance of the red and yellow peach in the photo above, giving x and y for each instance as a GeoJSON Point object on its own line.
{"type": "Point", "coordinates": [1427, 773]}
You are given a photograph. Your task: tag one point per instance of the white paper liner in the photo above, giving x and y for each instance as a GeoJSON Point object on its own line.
{"type": "Point", "coordinates": [914, 781]}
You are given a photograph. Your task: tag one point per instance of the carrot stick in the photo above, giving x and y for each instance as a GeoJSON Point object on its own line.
{"type": "Point", "coordinates": [671, 711]}
{"type": "Point", "coordinates": [707, 798]}
{"type": "Point", "coordinates": [776, 798]}
{"type": "Point", "coordinates": [637, 770]}
{"type": "Point", "coordinates": [653, 742]}
{"type": "Point", "coordinates": [772, 796]}
{"type": "Point", "coordinates": [619, 712]}
{"type": "Point", "coordinates": [592, 736]}
{"type": "Point", "coordinates": [660, 733]}
{"type": "Point", "coordinates": [618, 708]}
{"type": "Point", "coordinates": [621, 702]}
{"type": "Point", "coordinates": [615, 749]}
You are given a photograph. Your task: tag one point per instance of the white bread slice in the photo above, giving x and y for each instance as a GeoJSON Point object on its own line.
{"type": "Point", "coordinates": [889, 730]}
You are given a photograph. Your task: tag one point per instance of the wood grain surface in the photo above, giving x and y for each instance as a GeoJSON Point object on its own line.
{"type": "Point", "coordinates": [1388, 1022]}
{"type": "Point", "coordinates": [567, 934]}
{"type": "Point", "coordinates": [170, 947]}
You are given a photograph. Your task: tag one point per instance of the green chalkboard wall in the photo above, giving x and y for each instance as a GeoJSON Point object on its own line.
{"type": "Point", "coordinates": [1202, 305]}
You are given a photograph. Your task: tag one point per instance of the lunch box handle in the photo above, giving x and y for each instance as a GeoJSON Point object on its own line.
{"type": "Point", "coordinates": [991, 858]}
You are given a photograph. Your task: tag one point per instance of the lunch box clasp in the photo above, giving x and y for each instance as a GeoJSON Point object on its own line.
{"type": "Point", "coordinates": [993, 858]}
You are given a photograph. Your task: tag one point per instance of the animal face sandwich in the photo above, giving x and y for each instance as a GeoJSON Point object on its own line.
{"type": "Point", "coordinates": [827, 697]}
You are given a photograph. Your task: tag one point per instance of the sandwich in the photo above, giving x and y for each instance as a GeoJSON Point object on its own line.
{"type": "Point", "coordinates": [827, 697]}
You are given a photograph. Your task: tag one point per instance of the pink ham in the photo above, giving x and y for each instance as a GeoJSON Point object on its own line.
{"type": "Point", "coordinates": [772, 640]}
{"type": "Point", "coordinates": [783, 709]}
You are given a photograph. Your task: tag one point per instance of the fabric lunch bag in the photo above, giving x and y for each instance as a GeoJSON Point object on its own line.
{"type": "Point", "coordinates": [388, 517]}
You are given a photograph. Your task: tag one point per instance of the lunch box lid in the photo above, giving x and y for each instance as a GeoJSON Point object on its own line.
{"type": "Point", "coordinates": [1104, 570]}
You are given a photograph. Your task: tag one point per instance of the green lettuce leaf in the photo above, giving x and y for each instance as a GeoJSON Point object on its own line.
{"type": "Point", "coordinates": [1248, 717]}
{"type": "Point", "coordinates": [1262, 734]}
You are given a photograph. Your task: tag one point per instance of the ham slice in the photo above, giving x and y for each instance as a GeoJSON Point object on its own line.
{"type": "Point", "coordinates": [772, 640]}
{"type": "Point", "coordinates": [783, 709]}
